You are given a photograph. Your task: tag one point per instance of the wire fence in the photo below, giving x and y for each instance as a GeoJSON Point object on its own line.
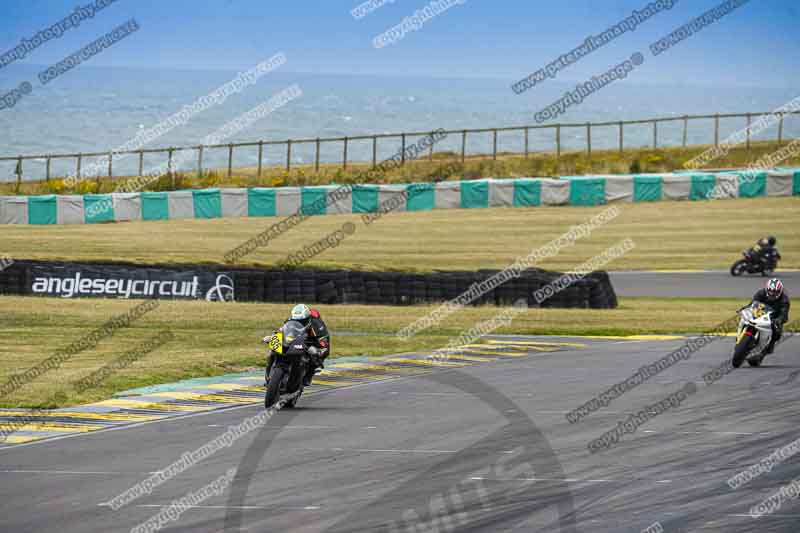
{"type": "Point", "coordinates": [556, 134]}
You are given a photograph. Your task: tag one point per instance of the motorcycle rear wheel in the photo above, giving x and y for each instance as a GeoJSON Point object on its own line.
{"type": "Point", "coordinates": [741, 350]}
{"type": "Point", "coordinates": [738, 268]}
{"type": "Point", "coordinates": [274, 387]}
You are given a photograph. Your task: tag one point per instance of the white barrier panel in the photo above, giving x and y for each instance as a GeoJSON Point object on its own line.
{"type": "Point", "coordinates": [233, 202]}
{"type": "Point", "coordinates": [395, 193]}
{"type": "Point", "coordinates": [69, 209]}
{"type": "Point", "coordinates": [341, 202]}
{"type": "Point", "coordinates": [676, 187]}
{"type": "Point", "coordinates": [780, 183]}
{"type": "Point", "coordinates": [127, 206]}
{"type": "Point", "coordinates": [555, 192]}
{"type": "Point", "coordinates": [180, 204]}
{"type": "Point", "coordinates": [619, 188]}
{"type": "Point", "coordinates": [501, 193]}
{"type": "Point", "coordinates": [287, 201]}
{"type": "Point", "coordinates": [727, 186]}
{"type": "Point", "coordinates": [447, 195]}
{"type": "Point", "coordinates": [13, 210]}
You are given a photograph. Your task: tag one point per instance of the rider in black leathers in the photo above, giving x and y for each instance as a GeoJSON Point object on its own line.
{"type": "Point", "coordinates": [766, 252]}
{"type": "Point", "coordinates": [317, 334]}
{"type": "Point", "coordinates": [774, 296]}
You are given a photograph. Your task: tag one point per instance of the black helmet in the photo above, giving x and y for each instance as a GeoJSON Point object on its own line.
{"type": "Point", "coordinates": [772, 240]}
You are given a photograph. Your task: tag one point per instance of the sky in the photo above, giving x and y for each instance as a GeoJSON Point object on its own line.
{"type": "Point", "coordinates": [757, 44]}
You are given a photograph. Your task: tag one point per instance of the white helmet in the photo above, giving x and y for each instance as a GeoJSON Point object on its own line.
{"type": "Point", "coordinates": [300, 312]}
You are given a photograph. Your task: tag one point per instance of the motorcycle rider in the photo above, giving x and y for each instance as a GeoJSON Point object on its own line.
{"type": "Point", "coordinates": [774, 296]}
{"type": "Point", "coordinates": [766, 252]}
{"type": "Point", "coordinates": [318, 335]}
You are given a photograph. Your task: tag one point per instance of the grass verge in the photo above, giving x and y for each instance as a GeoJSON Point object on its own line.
{"type": "Point", "coordinates": [213, 339]}
{"type": "Point", "coordinates": [668, 235]}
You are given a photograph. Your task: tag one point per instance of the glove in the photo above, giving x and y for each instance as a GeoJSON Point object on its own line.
{"type": "Point", "coordinates": [313, 351]}
{"type": "Point", "coordinates": [266, 339]}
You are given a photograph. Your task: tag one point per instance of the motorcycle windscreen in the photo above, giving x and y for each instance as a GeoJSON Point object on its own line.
{"type": "Point", "coordinates": [294, 337]}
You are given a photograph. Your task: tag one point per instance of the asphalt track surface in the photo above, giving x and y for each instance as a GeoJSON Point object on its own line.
{"type": "Point", "coordinates": [701, 284]}
{"type": "Point", "coordinates": [480, 448]}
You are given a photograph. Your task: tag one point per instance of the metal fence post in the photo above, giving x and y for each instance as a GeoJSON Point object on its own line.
{"type": "Point", "coordinates": [289, 154]}
{"type": "Point", "coordinates": [463, 145]}
{"type": "Point", "coordinates": [230, 160]}
{"type": "Point", "coordinates": [18, 170]}
{"type": "Point", "coordinates": [344, 154]}
{"type": "Point", "coordinates": [169, 168]}
{"type": "Point", "coordinates": [685, 128]}
{"type": "Point", "coordinates": [494, 144]}
{"type": "Point", "coordinates": [526, 142]}
{"type": "Point", "coordinates": [47, 175]}
{"type": "Point", "coordinates": [374, 151]}
{"type": "Point", "coordinates": [655, 134]}
{"type": "Point", "coordinates": [748, 132]}
{"type": "Point", "coordinates": [316, 157]}
{"type": "Point", "coordinates": [589, 139]}
{"type": "Point", "coordinates": [430, 150]}
{"type": "Point", "coordinates": [260, 157]}
{"type": "Point", "coordinates": [716, 130]}
{"type": "Point", "coordinates": [780, 130]}
{"type": "Point", "coordinates": [558, 141]}
{"type": "Point", "coordinates": [402, 149]}
{"type": "Point", "coordinates": [141, 162]}
{"type": "Point", "coordinates": [110, 163]}
{"type": "Point", "coordinates": [200, 161]}
{"type": "Point", "coordinates": [621, 141]}
{"type": "Point", "coordinates": [78, 170]}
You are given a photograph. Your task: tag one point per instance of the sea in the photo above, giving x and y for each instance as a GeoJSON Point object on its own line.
{"type": "Point", "coordinates": [95, 109]}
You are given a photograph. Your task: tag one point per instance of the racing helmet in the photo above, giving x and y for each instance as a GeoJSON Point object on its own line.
{"type": "Point", "coordinates": [772, 240]}
{"type": "Point", "coordinates": [300, 312]}
{"type": "Point", "coordinates": [774, 288]}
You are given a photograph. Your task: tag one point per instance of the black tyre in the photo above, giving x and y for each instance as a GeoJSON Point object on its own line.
{"type": "Point", "coordinates": [741, 350]}
{"type": "Point", "coordinates": [739, 267]}
{"type": "Point", "coordinates": [755, 361]}
{"type": "Point", "coordinates": [274, 387]}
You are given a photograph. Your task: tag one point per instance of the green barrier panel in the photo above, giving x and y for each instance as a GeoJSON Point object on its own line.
{"type": "Point", "coordinates": [155, 206]}
{"type": "Point", "coordinates": [313, 201]}
{"type": "Point", "coordinates": [474, 194]}
{"type": "Point", "coordinates": [796, 183]}
{"type": "Point", "coordinates": [420, 197]}
{"type": "Point", "coordinates": [587, 191]}
{"type": "Point", "coordinates": [646, 188]}
{"type": "Point", "coordinates": [752, 185]}
{"type": "Point", "coordinates": [527, 193]}
{"type": "Point", "coordinates": [365, 198]}
{"type": "Point", "coordinates": [702, 186]}
{"type": "Point", "coordinates": [42, 209]}
{"type": "Point", "coordinates": [207, 203]}
{"type": "Point", "coordinates": [98, 208]}
{"type": "Point", "coordinates": [261, 202]}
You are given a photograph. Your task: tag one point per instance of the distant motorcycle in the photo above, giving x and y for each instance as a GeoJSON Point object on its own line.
{"type": "Point", "coordinates": [293, 354]}
{"type": "Point", "coordinates": [753, 263]}
{"type": "Point", "coordinates": [753, 335]}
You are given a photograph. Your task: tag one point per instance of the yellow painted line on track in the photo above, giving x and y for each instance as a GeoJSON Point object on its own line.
{"type": "Point", "coordinates": [51, 426]}
{"type": "Point", "coordinates": [236, 387]}
{"type": "Point", "coordinates": [139, 404]}
{"type": "Point", "coordinates": [498, 348]}
{"type": "Point", "coordinates": [423, 362]}
{"type": "Point", "coordinates": [384, 368]}
{"type": "Point", "coordinates": [199, 397]}
{"type": "Point", "coordinates": [636, 337]}
{"type": "Point", "coordinates": [19, 439]}
{"type": "Point", "coordinates": [91, 415]}
{"type": "Point", "coordinates": [332, 383]}
{"type": "Point", "coordinates": [468, 357]}
{"type": "Point", "coordinates": [498, 353]}
{"type": "Point", "coordinates": [514, 344]}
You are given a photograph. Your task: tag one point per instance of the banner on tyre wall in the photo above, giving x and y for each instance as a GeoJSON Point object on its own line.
{"type": "Point", "coordinates": [110, 281]}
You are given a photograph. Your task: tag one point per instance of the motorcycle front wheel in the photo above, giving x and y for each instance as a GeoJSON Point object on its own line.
{"type": "Point", "coordinates": [274, 386]}
{"type": "Point", "coordinates": [741, 350]}
{"type": "Point", "coordinates": [738, 267]}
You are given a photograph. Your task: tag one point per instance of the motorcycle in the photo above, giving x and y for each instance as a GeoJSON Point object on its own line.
{"type": "Point", "coordinates": [753, 335]}
{"type": "Point", "coordinates": [293, 353]}
{"type": "Point", "coordinates": [754, 264]}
